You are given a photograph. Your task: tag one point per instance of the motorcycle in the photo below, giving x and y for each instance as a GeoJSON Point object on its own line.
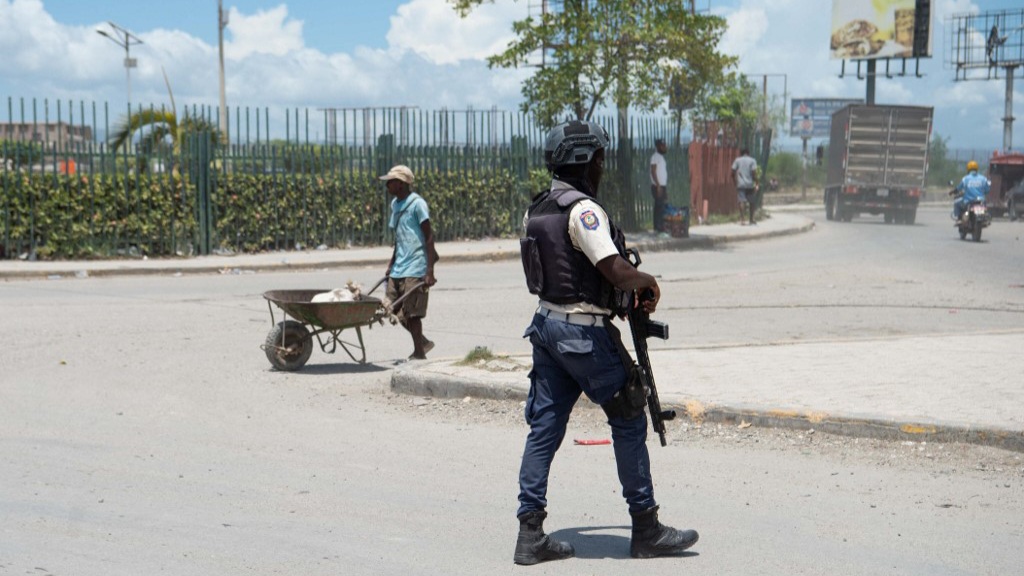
{"type": "Point", "coordinates": [974, 218]}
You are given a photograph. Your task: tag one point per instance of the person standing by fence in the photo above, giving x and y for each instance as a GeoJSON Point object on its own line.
{"type": "Point", "coordinates": [659, 184]}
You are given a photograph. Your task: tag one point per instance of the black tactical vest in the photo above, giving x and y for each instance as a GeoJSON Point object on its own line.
{"type": "Point", "coordinates": [556, 271]}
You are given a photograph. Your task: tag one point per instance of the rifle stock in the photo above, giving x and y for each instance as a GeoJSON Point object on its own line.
{"type": "Point", "coordinates": [642, 328]}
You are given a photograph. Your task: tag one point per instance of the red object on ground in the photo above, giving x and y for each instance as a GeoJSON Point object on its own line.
{"type": "Point", "coordinates": [579, 442]}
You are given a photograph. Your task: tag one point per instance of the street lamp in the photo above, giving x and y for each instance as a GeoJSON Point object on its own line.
{"type": "Point", "coordinates": [124, 39]}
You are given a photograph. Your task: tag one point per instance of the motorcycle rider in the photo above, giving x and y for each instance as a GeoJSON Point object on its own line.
{"type": "Point", "coordinates": [973, 187]}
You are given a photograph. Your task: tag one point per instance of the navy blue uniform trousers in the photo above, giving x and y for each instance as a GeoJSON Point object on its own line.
{"type": "Point", "coordinates": [569, 359]}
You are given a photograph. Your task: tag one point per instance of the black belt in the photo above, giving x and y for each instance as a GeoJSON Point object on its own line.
{"type": "Point", "coordinates": [577, 319]}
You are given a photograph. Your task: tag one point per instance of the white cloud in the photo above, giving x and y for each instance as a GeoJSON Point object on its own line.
{"type": "Point", "coordinates": [747, 27]}
{"type": "Point", "coordinates": [436, 32]}
{"type": "Point", "coordinates": [265, 32]}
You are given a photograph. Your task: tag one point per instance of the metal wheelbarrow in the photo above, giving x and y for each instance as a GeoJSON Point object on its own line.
{"type": "Point", "coordinates": [290, 342]}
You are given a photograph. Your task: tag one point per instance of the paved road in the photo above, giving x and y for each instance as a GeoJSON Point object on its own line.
{"type": "Point", "coordinates": [141, 431]}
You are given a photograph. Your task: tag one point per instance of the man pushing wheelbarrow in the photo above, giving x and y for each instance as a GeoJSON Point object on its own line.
{"type": "Point", "coordinates": [411, 270]}
{"type": "Point", "coordinates": [326, 315]}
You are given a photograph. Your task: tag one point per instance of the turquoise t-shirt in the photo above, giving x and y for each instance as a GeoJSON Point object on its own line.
{"type": "Point", "coordinates": [410, 245]}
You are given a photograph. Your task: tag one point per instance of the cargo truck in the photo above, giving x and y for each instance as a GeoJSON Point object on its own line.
{"type": "Point", "coordinates": [877, 161]}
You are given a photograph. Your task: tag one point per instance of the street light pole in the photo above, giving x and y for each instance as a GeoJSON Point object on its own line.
{"type": "Point", "coordinates": [222, 22]}
{"type": "Point", "coordinates": [124, 39]}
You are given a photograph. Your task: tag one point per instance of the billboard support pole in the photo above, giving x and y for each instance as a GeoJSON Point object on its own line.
{"type": "Point", "coordinates": [1008, 119]}
{"type": "Point", "coordinates": [803, 177]}
{"type": "Point", "coordinates": [869, 98]}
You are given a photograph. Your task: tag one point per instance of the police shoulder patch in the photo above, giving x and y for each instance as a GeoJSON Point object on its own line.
{"type": "Point", "coordinates": [590, 220]}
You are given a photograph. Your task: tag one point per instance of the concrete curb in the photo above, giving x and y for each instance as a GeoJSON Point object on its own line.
{"type": "Point", "coordinates": [414, 380]}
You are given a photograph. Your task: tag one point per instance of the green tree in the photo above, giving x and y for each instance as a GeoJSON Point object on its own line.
{"type": "Point", "coordinates": [738, 103]}
{"type": "Point", "coordinates": [629, 53]}
{"type": "Point", "coordinates": [941, 168]}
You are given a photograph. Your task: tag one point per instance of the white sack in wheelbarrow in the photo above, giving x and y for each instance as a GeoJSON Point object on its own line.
{"type": "Point", "coordinates": [350, 293]}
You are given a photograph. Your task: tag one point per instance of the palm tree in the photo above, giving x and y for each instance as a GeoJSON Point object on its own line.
{"type": "Point", "coordinates": [161, 127]}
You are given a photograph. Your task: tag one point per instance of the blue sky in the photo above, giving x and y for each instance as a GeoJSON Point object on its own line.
{"type": "Point", "coordinates": [330, 26]}
{"type": "Point", "coordinates": [353, 53]}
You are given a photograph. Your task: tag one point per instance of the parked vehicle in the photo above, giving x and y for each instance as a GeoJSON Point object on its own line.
{"type": "Point", "coordinates": [974, 218]}
{"type": "Point", "coordinates": [1015, 201]}
{"type": "Point", "coordinates": [1006, 172]}
{"type": "Point", "coordinates": [878, 157]}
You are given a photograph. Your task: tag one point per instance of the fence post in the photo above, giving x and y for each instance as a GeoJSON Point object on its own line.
{"type": "Point", "coordinates": [199, 170]}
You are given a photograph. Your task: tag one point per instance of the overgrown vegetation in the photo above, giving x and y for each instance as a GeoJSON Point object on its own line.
{"type": "Point", "coordinates": [477, 355]}
{"type": "Point", "coordinates": [941, 168]}
{"type": "Point", "coordinates": [787, 168]}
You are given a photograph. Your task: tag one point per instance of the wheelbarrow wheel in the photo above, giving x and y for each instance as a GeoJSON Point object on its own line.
{"type": "Point", "coordinates": [288, 345]}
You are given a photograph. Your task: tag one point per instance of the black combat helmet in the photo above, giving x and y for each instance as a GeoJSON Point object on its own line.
{"type": "Point", "coordinates": [573, 142]}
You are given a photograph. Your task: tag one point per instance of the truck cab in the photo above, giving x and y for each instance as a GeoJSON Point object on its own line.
{"type": "Point", "coordinates": [1005, 171]}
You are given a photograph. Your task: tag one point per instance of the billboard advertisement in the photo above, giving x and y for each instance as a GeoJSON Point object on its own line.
{"type": "Point", "coordinates": [875, 29]}
{"type": "Point", "coordinates": [812, 117]}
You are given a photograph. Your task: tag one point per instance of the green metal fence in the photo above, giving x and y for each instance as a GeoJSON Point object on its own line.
{"type": "Point", "coordinates": [294, 179]}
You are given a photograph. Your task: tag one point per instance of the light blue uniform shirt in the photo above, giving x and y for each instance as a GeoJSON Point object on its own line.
{"type": "Point", "coordinates": [974, 186]}
{"type": "Point", "coordinates": [410, 245]}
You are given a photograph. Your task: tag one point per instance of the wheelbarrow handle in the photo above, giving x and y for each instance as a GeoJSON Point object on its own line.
{"type": "Point", "coordinates": [377, 285]}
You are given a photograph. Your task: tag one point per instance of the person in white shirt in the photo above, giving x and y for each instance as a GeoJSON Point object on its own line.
{"type": "Point", "coordinates": [659, 184]}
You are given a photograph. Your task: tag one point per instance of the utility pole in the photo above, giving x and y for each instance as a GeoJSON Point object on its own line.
{"type": "Point", "coordinates": [222, 22]}
{"type": "Point", "coordinates": [124, 39]}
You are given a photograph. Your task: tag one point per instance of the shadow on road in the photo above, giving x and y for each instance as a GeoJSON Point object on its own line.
{"type": "Point", "coordinates": [340, 368]}
{"type": "Point", "coordinates": [592, 543]}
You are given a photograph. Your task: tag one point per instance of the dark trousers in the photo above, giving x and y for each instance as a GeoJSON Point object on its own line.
{"type": "Point", "coordinates": [659, 208]}
{"type": "Point", "coordinates": [567, 360]}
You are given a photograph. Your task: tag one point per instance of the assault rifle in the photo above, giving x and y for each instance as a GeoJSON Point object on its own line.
{"type": "Point", "coordinates": [642, 327]}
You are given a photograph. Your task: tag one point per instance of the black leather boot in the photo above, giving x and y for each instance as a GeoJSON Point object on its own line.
{"type": "Point", "coordinates": [534, 546]}
{"type": "Point", "coordinates": [652, 538]}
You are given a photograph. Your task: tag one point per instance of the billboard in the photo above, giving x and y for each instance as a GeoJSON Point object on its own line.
{"type": "Point", "coordinates": [812, 117]}
{"type": "Point", "coordinates": [875, 29]}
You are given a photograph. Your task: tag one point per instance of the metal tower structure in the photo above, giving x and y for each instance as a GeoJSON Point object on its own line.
{"type": "Point", "coordinates": [982, 46]}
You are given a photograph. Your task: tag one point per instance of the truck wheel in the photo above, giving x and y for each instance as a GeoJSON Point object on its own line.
{"type": "Point", "coordinates": [1011, 210]}
{"type": "Point", "coordinates": [888, 217]}
{"type": "Point", "coordinates": [288, 346]}
{"type": "Point", "coordinates": [830, 206]}
{"type": "Point", "coordinates": [910, 216]}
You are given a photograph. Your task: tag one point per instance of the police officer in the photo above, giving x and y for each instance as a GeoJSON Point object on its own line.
{"type": "Point", "coordinates": [573, 257]}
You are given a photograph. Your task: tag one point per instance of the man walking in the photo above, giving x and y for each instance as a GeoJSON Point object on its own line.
{"type": "Point", "coordinates": [574, 261]}
{"type": "Point", "coordinates": [411, 270]}
{"type": "Point", "coordinates": [744, 174]}
{"type": "Point", "coordinates": [659, 184]}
